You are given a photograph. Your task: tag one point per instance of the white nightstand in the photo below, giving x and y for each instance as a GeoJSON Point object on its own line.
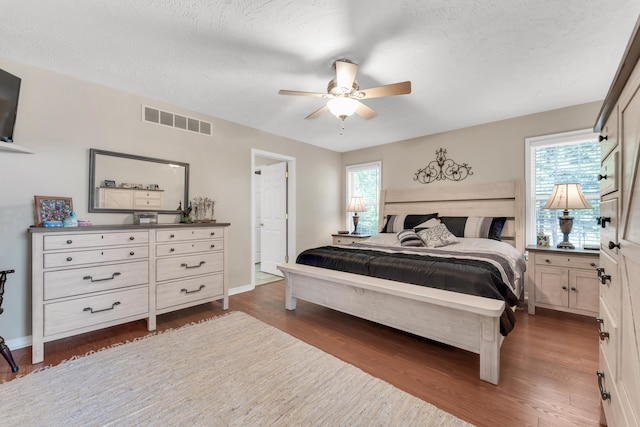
{"type": "Point", "coordinates": [345, 239]}
{"type": "Point", "coordinates": [563, 279]}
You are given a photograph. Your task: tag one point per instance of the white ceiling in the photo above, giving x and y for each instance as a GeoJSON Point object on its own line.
{"type": "Point", "coordinates": [469, 61]}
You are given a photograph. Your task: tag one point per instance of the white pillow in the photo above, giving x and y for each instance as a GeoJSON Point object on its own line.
{"type": "Point", "coordinates": [438, 236]}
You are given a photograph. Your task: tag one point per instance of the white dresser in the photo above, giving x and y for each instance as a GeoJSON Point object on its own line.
{"type": "Point", "coordinates": [89, 278]}
{"type": "Point", "coordinates": [618, 376]}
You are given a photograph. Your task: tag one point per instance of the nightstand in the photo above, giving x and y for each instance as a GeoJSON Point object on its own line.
{"type": "Point", "coordinates": [345, 239]}
{"type": "Point", "coordinates": [563, 279]}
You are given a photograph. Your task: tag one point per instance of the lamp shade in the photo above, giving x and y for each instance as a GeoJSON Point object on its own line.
{"type": "Point", "coordinates": [342, 107]}
{"type": "Point", "coordinates": [356, 205]}
{"type": "Point", "coordinates": [567, 196]}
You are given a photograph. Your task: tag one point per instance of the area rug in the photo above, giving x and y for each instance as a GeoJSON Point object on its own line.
{"type": "Point", "coordinates": [232, 370]}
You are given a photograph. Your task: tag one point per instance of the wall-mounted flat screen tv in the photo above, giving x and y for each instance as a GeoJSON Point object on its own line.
{"type": "Point", "coordinates": [9, 93]}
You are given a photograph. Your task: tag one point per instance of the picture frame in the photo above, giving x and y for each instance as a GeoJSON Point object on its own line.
{"type": "Point", "coordinates": [52, 208]}
{"type": "Point", "coordinates": [109, 183]}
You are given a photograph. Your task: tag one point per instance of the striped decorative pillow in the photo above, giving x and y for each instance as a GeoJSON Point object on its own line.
{"type": "Point", "coordinates": [409, 238]}
{"type": "Point", "coordinates": [396, 223]}
{"type": "Point", "coordinates": [475, 226]}
{"type": "Point", "coordinates": [437, 236]}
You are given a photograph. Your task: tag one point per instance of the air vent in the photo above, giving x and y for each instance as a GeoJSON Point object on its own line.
{"type": "Point", "coordinates": [167, 118]}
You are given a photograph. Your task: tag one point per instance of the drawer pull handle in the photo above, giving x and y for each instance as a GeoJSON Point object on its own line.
{"type": "Point", "coordinates": [601, 177]}
{"type": "Point", "coordinates": [593, 264]}
{"type": "Point", "coordinates": [604, 394]}
{"type": "Point", "coordinates": [113, 276]}
{"type": "Point", "coordinates": [172, 250]}
{"type": "Point", "coordinates": [104, 309]}
{"type": "Point", "coordinates": [548, 261]}
{"type": "Point", "coordinates": [603, 334]}
{"type": "Point", "coordinates": [604, 277]}
{"type": "Point", "coordinates": [603, 138]}
{"type": "Point", "coordinates": [614, 245]}
{"type": "Point", "coordinates": [213, 246]}
{"type": "Point", "coordinates": [171, 236]}
{"type": "Point", "coordinates": [564, 288]}
{"type": "Point", "coordinates": [69, 258]}
{"type": "Point", "coordinates": [132, 253]}
{"type": "Point", "coordinates": [132, 238]}
{"type": "Point", "coordinates": [69, 242]}
{"type": "Point", "coordinates": [603, 220]}
{"type": "Point", "coordinates": [213, 233]}
{"type": "Point", "coordinates": [192, 292]}
{"type": "Point", "coordinates": [192, 266]}
{"type": "Point", "coordinates": [574, 289]}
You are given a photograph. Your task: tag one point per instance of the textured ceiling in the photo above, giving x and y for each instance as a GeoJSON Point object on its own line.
{"type": "Point", "coordinates": [470, 62]}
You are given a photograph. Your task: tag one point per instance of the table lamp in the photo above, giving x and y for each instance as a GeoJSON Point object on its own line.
{"type": "Point", "coordinates": [565, 197]}
{"type": "Point", "coordinates": [355, 206]}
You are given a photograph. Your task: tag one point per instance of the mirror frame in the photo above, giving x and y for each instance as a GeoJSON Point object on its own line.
{"type": "Point", "coordinates": [92, 180]}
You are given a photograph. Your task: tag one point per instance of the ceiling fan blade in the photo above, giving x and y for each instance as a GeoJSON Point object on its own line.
{"type": "Point", "coordinates": [401, 88]}
{"type": "Point", "coordinates": [365, 112]}
{"type": "Point", "coordinates": [317, 113]}
{"type": "Point", "coordinates": [298, 93]}
{"type": "Point", "coordinates": [346, 74]}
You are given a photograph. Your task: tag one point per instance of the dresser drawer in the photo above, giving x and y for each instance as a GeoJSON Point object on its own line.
{"type": "Point", "coordinates": [68, 259]}
{"type": "Point", "coordinates": [609, 217]}
{"type": "Point", "coordinates": [189, 234]}
{"type": "Point", "coordinates": [608, 174]}
{"type": "Point", "coordinates": [190, 290]}
{"type": "Point", "coordinates": [186, 266]}
{"type": "Point", "coordinates": [608, 332]}
{"type": "Point", "coordinates": [609, 136]}
{"type": "Point", "coordinates": [189, 247]}
{"type": "Point", "coordinates": [147, 200]}
{"type": "Point", "coordinates": [78, 281]}
{"type": "Point", "coordinates": [573, 261]}
{"type": "Point", "coordinates": [610, 289]}
{"type": "Point", "coordinates": [89, 311]}
{"type": "Point", "coordinates": [88, 240]}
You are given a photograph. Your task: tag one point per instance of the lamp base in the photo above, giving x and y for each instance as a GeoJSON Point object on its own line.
{"type": "Point", "coordinates": [565, 245]}
{"type": "Point", "coordinates": [355, 224]}
{"type": "Point", "coordinates": [566, 224]}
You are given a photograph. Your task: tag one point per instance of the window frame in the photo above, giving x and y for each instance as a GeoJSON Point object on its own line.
{"type": "Point", "coordinates": [531, 143]}
{"type": "Point", "coordinates": [348, 177]}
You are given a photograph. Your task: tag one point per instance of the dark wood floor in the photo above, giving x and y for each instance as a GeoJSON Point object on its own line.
{"type": "Point", "coordinates": [548, 366]}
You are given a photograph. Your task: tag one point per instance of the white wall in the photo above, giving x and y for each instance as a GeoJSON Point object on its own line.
{"type": "Point", "coordinates": [61, 118]}
{"type": "Point", "coordinates": [495, 151]}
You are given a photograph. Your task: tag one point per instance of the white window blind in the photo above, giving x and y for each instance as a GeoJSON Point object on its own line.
{"type": "Point", "coordinates": [364, 180]}
{"type": "Point", "coordinates": [563, 158]}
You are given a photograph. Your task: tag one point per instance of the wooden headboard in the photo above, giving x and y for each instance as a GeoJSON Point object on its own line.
{"type": "Point", "coordinates": [494, 200]}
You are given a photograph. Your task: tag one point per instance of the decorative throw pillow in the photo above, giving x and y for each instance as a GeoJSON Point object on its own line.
{"type": "Point", "coordinates": [427, 224]}
{"type": "Point", "coordinates": [475, 226]}
{"type": "Point", "coordinates": [437, 236]}
{"type": "Point", "coordinates": [396, 223]}
{"type": "Point", "coordinates": [409, 238]}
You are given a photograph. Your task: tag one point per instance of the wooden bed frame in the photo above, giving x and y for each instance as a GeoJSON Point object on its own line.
{"type": "Point", "coordinates": [463, 321]}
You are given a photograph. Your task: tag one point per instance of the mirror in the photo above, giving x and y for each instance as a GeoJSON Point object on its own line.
{"type": "Point", "coordinates": [125, 183]}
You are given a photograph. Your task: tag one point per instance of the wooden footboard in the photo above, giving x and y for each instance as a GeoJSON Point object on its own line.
{"type": "Point", "coordinates": [464, 321]}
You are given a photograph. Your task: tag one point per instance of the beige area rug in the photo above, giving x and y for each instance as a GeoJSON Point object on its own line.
{"type": "Point", "coordinates": [232, 370]}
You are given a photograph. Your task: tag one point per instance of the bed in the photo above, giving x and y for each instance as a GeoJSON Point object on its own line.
{"type": "Point", "coordinates": [466, 321]}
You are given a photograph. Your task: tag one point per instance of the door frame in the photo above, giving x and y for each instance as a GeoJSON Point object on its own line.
{"type": "Point", "coordinates": [291, 205]}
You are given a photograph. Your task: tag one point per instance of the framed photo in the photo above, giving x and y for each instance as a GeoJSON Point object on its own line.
{"type": "Point", "coordinates": [109, 183]}
{"type": "Point", "coordinates": [50, 208]}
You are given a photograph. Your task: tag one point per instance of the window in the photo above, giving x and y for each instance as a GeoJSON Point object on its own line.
{"type": "Point", "coordinates": [563, 158]}
{"type": "Point", "coordinates": [364, 180]}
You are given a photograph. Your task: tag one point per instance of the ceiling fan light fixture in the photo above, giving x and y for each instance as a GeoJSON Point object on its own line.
{"type": "Point", "coordinates": [342, 107]}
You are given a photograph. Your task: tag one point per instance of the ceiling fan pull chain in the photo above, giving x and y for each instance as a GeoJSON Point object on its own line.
{"type": "Point", "coordinates": [342, 127]}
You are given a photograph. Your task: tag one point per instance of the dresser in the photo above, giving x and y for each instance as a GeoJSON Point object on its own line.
{"type": "Point", "coordinates": [564, 280]}
{"type": "Point", "coordinates": [126, 198]}
{"type": "Point", "coordinates": [89, 278]}
{"type": "Point", "coordinates": [618, 323]}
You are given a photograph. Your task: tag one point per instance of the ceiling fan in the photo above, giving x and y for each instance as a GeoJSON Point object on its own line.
{"type": "Point", "coordinates": [344, 94]}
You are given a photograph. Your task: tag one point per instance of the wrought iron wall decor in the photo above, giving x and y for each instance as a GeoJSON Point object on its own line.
{"type": "Point", "coordinates": [441, 169]}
